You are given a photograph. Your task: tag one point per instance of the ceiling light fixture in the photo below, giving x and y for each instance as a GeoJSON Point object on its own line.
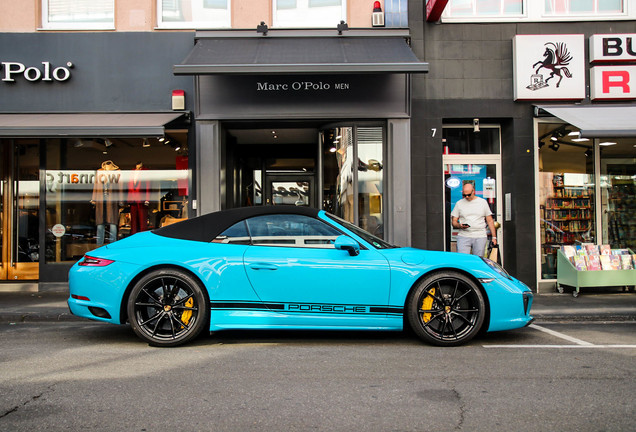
{"type": "Point", "coordinates": [145, 143]}
{"type": "Point", "coordinates": [580, 139]}
{"type": "Point", "coordinates": [607, 143]}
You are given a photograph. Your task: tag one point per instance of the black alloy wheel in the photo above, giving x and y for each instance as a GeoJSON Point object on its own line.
{"type": "Point", "coordinates": [167, 307]}
{"type": "Point", "coordinates": [446, 309]}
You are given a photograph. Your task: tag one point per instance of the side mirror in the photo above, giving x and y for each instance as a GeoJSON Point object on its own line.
{"type": "Point", "coordinates": [344, 242]}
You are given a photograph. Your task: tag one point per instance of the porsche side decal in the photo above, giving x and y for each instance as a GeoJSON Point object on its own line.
{"type": "Point", "coordinates": [309, 308]}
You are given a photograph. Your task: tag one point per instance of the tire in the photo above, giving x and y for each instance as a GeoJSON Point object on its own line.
{"type": "Point", "coordinates": [167, 308]}
{"type": "Point", "coordinates": [446, 309]}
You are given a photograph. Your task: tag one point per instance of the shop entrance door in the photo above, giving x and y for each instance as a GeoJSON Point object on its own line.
{"type": "Point", "coordinates": [484, 171]}
{"type": "Point", "coordinates": [290, 189]}
{"type": "Point", "coordinates": [19, 209]}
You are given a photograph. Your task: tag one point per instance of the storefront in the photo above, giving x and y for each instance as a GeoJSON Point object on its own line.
{"type": "Point", "coordinates": [585, 155]}
{"type": "Point", "coordinates": [91, 148]}
{"type": "Point", "coordinates": [316, 119]}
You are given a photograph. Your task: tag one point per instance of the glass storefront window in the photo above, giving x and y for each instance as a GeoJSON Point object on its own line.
{"type": "Point", "coordinates": [618, 192]}
{"type": "Point", "coordinates": [566, 192]}
{"type": "Point", "coordinates": [101, 190]}
{"type": "Point", "coordinates": [359, 148]}
{"type": "Point", "coordinates": [338, 173]}
{"type": "Point", "coordinates": [27, 192]}
{"type": "Point", "coordinates": [370, 180]}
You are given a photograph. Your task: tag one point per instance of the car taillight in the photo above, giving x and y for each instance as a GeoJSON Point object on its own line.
{"type": "Point", "coordinates": [95, 262]}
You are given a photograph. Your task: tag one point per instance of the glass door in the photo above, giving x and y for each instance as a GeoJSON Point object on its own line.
{"type": "Point", "coordinates": [484, 173]}
{"type": "Point", "coordinates": [19, 215]}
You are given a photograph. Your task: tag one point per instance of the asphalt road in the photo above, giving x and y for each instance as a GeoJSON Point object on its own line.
{"type": "Point", "coordinates": [93, 376]}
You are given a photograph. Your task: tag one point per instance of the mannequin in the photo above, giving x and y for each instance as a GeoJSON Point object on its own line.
{"type": "Point", "coordinates": [139, 199]}
{"type": "Point", "coordinates": [106, 198]}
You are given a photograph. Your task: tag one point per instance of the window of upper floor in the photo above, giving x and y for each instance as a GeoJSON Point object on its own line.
{"type": "Point", "coordinates": [538, 10]}
{"type": "Point", "coordinates": [308, 13]}
{"type": "Point", "coordinates": [78, 14]}
{"type": "Point", "coordinates": [193, 14]}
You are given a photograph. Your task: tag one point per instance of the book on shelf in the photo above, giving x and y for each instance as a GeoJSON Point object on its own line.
{"type": "Point", "coordinates": [616, 262]}
{"type": "Point", "coordinates": [626, 262]}
{"type": "Point", "coordinates": [594, 262]}
{"type": "Point", "coordinates": [579, 262]}
{"type": "Point", "coordinates": [606, 250]}
{"type": "Point", "coordinates": [606, 262]}
{"type": "Point", "coordinates": [592, 249]}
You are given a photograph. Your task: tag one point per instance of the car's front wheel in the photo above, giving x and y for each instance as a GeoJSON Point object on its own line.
{"type": "Point", "coordinates": [167, 307]}
{"type": "Point", "coordinates": [446, 309]}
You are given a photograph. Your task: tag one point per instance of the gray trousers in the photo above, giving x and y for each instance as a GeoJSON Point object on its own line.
{"type": "Point", "coordinates": [478, 245]}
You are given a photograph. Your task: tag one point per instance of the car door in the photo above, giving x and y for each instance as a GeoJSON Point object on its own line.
{"type": "Point", "coordinates": [293, 264]}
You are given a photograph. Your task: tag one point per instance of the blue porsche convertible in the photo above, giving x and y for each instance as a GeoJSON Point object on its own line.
{"type": "Point", "coordinates": [286, 267]}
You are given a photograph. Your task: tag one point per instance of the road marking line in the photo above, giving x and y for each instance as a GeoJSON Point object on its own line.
{"type": "Point", "coordinates": [561, 335]}
{"type": "Point", "coordinates": [560, 346]}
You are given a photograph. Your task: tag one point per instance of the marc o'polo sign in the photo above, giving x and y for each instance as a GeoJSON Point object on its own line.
{"type": "Point", "coordinates": [301, 86]}
{"type": "Point", "coordinates": [11, 72]}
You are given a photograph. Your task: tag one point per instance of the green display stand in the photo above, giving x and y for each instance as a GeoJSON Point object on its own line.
{"type": "Point", "coordinates": [568, 275]}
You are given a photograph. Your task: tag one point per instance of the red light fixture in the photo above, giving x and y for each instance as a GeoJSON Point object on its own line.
{"type": "Point", "coordinates": [377, 17]}
{"type": "Point", "coordinates": [90, 261]}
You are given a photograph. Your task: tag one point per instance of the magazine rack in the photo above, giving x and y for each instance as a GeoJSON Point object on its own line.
{"type": "Point", "coordinates": [568, 275]}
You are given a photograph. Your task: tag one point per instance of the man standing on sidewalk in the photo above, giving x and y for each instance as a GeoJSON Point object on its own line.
{"type": "Point", "coordinates": [470, 215]}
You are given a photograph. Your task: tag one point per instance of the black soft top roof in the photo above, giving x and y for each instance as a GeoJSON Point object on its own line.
{"type": "Point", "coordinates": [207, 227]}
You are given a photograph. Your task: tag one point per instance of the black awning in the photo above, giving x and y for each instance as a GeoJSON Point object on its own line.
{"type": "Point", "coordinates": [85, 124]}
{"type": "Point", "coordinates": [597, 121]}
{"type": "Point", "coordinates": [300, 55]}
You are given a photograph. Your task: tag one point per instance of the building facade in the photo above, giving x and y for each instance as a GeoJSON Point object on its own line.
{"type": "Point", "coordinates": [117, 117]}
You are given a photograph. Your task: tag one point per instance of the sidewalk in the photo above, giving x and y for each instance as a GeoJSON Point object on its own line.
{"type": "Point", "coordinates": [589, 306]}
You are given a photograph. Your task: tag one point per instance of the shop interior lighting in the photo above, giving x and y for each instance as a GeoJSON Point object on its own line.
{"type": "Point", "coordinates": [588, 152]}
{"type": "Point", "coordinates": [580, 139]}
{"type": "Point", "coordinates": [554, 146]}
{"type": "Point", "coordinates": [108, 143]}
{"type": "Point", "coordinates": [145, 143]}
{"type": "Point", "coordinates": [177, 148]}
{"type": "Point", "coordinates": [333, 149]}
{"type": "Point", "coordinates": [607, 143]}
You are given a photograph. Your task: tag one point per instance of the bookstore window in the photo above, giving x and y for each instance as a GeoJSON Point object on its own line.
{"type": "Point", "coordinates": [78, 14]}
{"type": "Point", "coordinates": [566, 192]}
{"type": "Point", "coordinates": [99, 190]}
{"type": "Point", "coordinates": [618, 192]}
{"type": "Point", "coordinates": [194, 14]}
{"type": "Point", "coordinates": [309, 13]}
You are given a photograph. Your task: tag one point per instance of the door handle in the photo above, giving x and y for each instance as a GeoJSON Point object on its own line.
{"type": "Point", "coordinates": [263, 266]}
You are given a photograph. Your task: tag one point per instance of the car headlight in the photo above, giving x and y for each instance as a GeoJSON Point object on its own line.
{"type": "Point", "coordinates": [496, 267]}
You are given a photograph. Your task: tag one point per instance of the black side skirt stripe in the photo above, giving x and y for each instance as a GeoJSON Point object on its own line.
{"type": "Point", "coordinates": [307, 308]}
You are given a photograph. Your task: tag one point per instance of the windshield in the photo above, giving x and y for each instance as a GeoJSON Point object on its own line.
{"type": "Point", "coordinates": [376, 242]}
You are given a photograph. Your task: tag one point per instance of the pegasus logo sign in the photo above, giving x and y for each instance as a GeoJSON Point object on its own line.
{"type": "Point", "coordinates": [554, 65]}
{"type": "Point", "coordinates": [555, 59]}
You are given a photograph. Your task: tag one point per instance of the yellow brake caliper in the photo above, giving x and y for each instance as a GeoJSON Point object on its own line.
{"type": "Point", "coordinates": [187, 314]}
{"type": "Point", "coordinates": [427, 304]}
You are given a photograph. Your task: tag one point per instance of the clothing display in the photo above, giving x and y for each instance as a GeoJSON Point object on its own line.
{"type": "Point", "coordinates": [138, 198]}
{"type": "Point", "coordinates": [106, 196]}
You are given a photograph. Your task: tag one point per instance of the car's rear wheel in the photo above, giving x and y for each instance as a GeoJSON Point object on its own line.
{"type": "Point", "coordinates": [446, 309]}
{"type": "Point", "coordinates": [167, 308]}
